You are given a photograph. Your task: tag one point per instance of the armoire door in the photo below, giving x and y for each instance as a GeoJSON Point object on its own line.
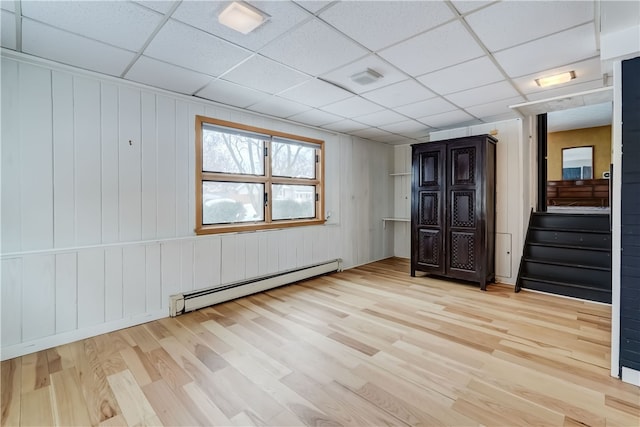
{"type": "Point", "coordinates": [428, 207]}
{"type": "Point", "coordinates": [463, 211]}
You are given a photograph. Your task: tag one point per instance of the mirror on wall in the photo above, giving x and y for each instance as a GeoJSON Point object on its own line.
{"type": "Point", "coordinates": [577, 163]}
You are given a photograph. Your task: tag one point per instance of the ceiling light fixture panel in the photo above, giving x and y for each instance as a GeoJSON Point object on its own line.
{"type": "Point", "coordinates": [556, 79]}
{"type": "Point", "coordinates": [242, 17]}
{"type": "Point", "coordinates": [366, 77]}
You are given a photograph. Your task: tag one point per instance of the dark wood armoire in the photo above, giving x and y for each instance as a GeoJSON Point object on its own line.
{"type": "Point", "coordinates": [453, 208]}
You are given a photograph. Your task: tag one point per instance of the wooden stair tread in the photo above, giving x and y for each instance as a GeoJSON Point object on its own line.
{"type": "Point", "coordinates": [566, 284]}
{"type": "Point", "coordinates": [565, 246]}
{"type": "Point", "coordinates": [565, 264]}
{"type": "Point", "coordinates": [571, 230]}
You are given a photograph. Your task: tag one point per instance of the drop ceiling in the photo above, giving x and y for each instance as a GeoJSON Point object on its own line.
{"type": "Point", "coordinates": [444, 63]}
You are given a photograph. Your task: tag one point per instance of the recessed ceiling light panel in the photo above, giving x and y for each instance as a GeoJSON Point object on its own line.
{"type": "Point", "coordinates": [556, 79]}
{"type": "Point", "coordinates": [242, 17]}
{"type": "Point", "coordinates": [366, 77]}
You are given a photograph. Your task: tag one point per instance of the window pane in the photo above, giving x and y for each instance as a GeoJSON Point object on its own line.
{"type": "Point", "coordinates": [293, 201]}
{"type": "Point", "coordinates": [231, 153]}
{"type": "Point", "coordinates": [229, 202]}
{"type": "Point", "coordinates": [293, 160]}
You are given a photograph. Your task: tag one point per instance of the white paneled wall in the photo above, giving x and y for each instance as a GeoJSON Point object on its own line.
{"type": "Point", "coordinates": [98, 206]}
{"type": "Point", "coordinates": [511, 196]}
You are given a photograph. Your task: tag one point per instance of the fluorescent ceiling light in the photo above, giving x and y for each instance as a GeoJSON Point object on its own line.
{"type": "Point", "coordinates": [366, 77]}
{"type": "Point", "coordinates": [242, 17]}
{"type": "Point", "coordinates": [556, 79]}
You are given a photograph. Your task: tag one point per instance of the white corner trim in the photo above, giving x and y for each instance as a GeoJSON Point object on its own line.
{"type": "Point", "coordinates": [44, 343]}
{"type": "Point", "coordinates": [631, 376]}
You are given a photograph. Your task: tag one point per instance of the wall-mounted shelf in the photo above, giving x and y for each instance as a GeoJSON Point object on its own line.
{"type": "Point", "coordinates": [384, 221]}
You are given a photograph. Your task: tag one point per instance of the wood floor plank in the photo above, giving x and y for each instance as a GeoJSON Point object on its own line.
{"type": "Point", "coordinates": [11, 380]}
{"type": "Point", "coordinates": [367, 346]}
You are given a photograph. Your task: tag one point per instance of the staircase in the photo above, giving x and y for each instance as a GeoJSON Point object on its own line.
{"type": "Point", "coordinates": [567, 254]}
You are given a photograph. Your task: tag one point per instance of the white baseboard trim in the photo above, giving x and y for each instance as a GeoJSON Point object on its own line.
{"type": "Point", "coordinates": [17, 350]}
{"type": "Point", "coordinates": [631, 376]}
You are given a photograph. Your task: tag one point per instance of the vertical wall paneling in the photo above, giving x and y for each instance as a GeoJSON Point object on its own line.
{"type": "Point", "coordinates": [273, 252]}
{"type": "Point", "coordinates": [252, 256]}
{"type": "Point", "coordinates": [113, 284]}
{"type": "Point", "coordinates": [194, 110]}
{"type": "Point", "coordinates": [149, 165]}
{"type": "Point", "coordinates": [263, 254]}
{"type": "Point", "coordinates": [37, 157]}
{"type": "Point", "coordinates": [86, 129]}
{"type": "Point", "coordinates": [130, 169]}
{"type": "Point", "coordinates": [170, 269]}
{"type": "Point", "coordinates": [133, 280]}
{"type": "Point", "coordinates": [332, 174]}
{"type": "Point", "coordinates": [110, 158]}
{"type": "Point", "coordinates": [309, 235]}
{"type": "Point", "coordinates": [66, 290]}
{"type": "Point", "coordinates": [184, 179]}
{"type": "Point", "coordinates": [10, 168]}
{"type": "Point", "coordinates": [319, 245]}
{"type": "Point", "coordinates": [166, 178]}
{"type": "Point", "coordinates": [186, 266]}
{"type": "Point", "coordinates": [152, 278]}
{"type": "Point", "coordinates": [203, 263]}
{"type": "Point", "coordinates": [63, 161]}
{"type": "Point", "coordinates": [11, 295]}
{"type": "Point", "coordinates": [38, 297]}
{"type": "Point", "coordinates": [91, 290]}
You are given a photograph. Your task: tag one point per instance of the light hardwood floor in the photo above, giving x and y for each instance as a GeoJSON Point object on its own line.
{"type": "Point", "coordinates": [368, 346]}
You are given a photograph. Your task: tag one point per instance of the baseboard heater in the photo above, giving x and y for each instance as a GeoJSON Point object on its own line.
{"type": "Point", "coordinates": [183, 303]}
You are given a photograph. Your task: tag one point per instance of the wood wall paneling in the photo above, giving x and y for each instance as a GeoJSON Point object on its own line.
{"type": "Point", "coordinates": [11, 159]}
{"type": "Point", "coordinates": [38, 297]}
{"type": "Point", "coordinates": [11, 302]}
{"type": "Point", "coordinates": [166, 179]}
{"type": "Point", "coordinates": [186, 266]}
{"type": "Point", "coordinates": [36, 189]}
{"type": "Point", "coordinates": [64, 213]}
{"type": "Point", "coordinates": [66, 292]}
{"type": "Point", "coordinates": [170, 268]}
{"type": "Point", "coordinates": [149, 156]}
{"type": "Point", "coordinates": [184, 177]}
{"type": "Point", "coordinates": [153, 283]}
{"type": "Point", "coordinates": [113, 283]}
{"type": "Point", "coordinates": [133, 280]}
{"type": "Point", "coordinates": [110, 147]}
{"type": "Point", "coordinates": [91, 287]}
{"type": "Point", "coordinates": [129, 164]}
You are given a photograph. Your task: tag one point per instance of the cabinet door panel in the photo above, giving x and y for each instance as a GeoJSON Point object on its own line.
{"type": "Point", "coordinates": [463, 206]}
{"type": "Point", "coordinates": [463, 251]}
{"type": "Point", "coordinates": [463, 166]}
{"type": "Point", "coordinates": [429, 248]}
{"type": "Point", "coordinates": [430, 169]}
{"type": "Point", "coordinates": [429, 208]}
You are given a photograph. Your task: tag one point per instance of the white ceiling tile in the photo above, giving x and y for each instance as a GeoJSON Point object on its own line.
{"type": "Point", "coordinates": [315, 118]}
{"type": "Point", "coordinates": [563, 48]}
{"type": "Point", "coordinates": [433, 50]}
{"type": "Point", "coordinates": [466, 6]}
{"type": "Point", "coordinates": [314, 48]}
{"type": "Point", "coordinates": [204, 15]}
{"type": "Point", "coordinates": [408, 128]}
{"type": "Point", "coordinates": [231, 94]}
{"type": "Point", "coordinates": [313, 6]}
{"type": "Point", "coordinates": [7, 29]}
{"type": "Point", "coordinates": [123, 24]}
{"type": "Point", "coordinates": [447, 119]}
{"type": "Point", "coordinates": [495, 108]}
{"type": "Point", "coordinates": [588, 70]}
{"type": "Point", "coordinates": [278, 107]}
{"type": "Point", "coordinates": [166, 76]}
{"type": "Point", "coordinates": [467, 75]}
{"type": "Point", "coordinates": [263, 74]}
{"type": "Point", "coordinates": [57, 45]}
{"type": "Point", "coordinates": [352, 107]}
{"type": "Point", "coordinates": [483, 94]}
{"type": "Point", "coordinates": [342, 75]}
{"type": "Point", "coordinates": [401, 93]}
{"type": "Point", "coordinates": [345, 125]}
{"type": "Point", "coordinates": [426, 108]}
{"type": "Point", "coordinates": [187, 47]}
{"type": "Point", "coordinates": [379, 24]}
{"type": "Point", "coordinates": [372, 133]}
{"type": "Point", "coordinates": [513, 22]}
{"type": "Point", "coordinates": [9, 5]}
{"type": "Point", "coordinates": [565, 90]}
{"type": "Point", "coordinates": [315, 93]}
{"type": "Point", "coordinates": [379, 118]}
{"type": "Point", "coordinates": [162, 6]}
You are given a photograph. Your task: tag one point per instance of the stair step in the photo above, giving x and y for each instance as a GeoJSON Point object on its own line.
{"type": "Point", "coordinates": [567, 264]}
{"type": "Point", "coordinates": [575, 238]}
{"type": "Point", "coordinates": [571, 221]}
{"type": "Point", "coordinates": [586, 275]}
{"type": "Point", "coordinates": [574, 255]}
{"type": "Point", "coordinates": [568, 289]}
{"type": "Point", "coordinates": [572, 230]}
{"type": "Point", "coordinates": [564, 246]}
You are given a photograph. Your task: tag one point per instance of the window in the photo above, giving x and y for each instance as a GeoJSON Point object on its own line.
{"type": "Point", "coordinates": [250, 178]}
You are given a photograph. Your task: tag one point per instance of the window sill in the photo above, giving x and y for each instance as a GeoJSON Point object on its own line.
{"type": "Point", "coordinates": [237, 228]}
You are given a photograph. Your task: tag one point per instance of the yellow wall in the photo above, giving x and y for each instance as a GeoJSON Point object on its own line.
{"type": "Point", "coordinates": [599, 137]}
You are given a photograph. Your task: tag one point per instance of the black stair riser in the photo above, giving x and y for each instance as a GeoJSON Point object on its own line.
{"type": "Point", "coordinates": [570, 255]}
{"type": "Point", "coordinates": [592, 295]}
{"type": "Point", "coordinates": [561, 273]}
{"type": "Point", "coordinates": [601, 241]}
{"type": "Point", "coordinates": [575, 222]}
